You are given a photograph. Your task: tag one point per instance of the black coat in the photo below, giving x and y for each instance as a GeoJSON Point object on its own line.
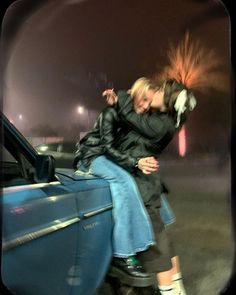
{"type": "Point", "coordinates": [101, 140]}
{"type": "Point", "coordinates": [124, 137]}
{"type": "Point", "coordinates": [148, 135]}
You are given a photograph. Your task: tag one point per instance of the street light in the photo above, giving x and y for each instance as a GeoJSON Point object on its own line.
{"type": "Point", "coordinates": [80, 109]}
{"type": "Point", "coordinates": [85, 112]}
{"type": "Point", "coordinates": [21, 122]}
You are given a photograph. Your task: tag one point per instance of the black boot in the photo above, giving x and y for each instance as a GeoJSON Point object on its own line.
{"type": "Point", "coordinates": [130, 266]}
{"type": "Point", "coordinates": [129, 271]}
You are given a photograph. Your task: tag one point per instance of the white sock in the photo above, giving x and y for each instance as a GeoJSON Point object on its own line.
{"type": "Point", "coordinates": [178, 284]}
{"type": "Point", "coordinates": [166, 290]}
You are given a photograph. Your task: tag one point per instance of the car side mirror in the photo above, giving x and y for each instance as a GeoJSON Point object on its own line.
{"type": "Point", "coordinates": [44, 168]}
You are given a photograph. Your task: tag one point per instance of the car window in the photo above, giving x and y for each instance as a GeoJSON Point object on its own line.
{"type": "Point", "coordinates": [15, 171]}
{"type": "Point", "coordinates": [50, 147]}
{"type": "Point", "coordinates": [69, 147]}
{"type": "Point", "coordinates": [6, 155]}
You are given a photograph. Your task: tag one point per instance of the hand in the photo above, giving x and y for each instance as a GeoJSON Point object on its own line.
{"type": "Point", "coordinates": [111, 97]}
{"type": "Point", "coordinates": [148, 165]}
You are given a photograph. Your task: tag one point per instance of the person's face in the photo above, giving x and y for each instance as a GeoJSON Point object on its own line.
{"type": "Point", "coordinates": [158, 101]}
{"type": "Point", "coordinates": [143, 102]}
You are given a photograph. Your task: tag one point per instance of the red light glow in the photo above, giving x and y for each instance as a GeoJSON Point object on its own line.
{"type": "Point", "coordinates": [182, 142]}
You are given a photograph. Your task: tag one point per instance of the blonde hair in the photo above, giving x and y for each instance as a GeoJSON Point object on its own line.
{"type": "Point", "coordinates": [141, 86]}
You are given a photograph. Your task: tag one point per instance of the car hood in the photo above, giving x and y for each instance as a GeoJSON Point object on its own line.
{"type": "Point", "coordinates": [70, 173]}
{"type": "Point", "coordinates": [68, 177]}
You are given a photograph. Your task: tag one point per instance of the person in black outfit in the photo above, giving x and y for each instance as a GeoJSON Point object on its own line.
{"type": "Point", "coordinates": [142, 135]}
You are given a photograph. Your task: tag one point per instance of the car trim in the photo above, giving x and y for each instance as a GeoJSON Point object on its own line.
{"type": "Point", "coordinates": [37, 234]}
{"type": "Point", "coordinates": [97, 211]}
{"type": "Point", "coordinates": [18, 188]}
{"type": "Point", "coordinates": [40, 233]}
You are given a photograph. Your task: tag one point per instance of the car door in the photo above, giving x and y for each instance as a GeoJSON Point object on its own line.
{"type": "Point", "coordinates": [49, 244]}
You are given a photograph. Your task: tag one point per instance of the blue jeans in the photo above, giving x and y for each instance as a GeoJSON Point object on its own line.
{"type": "Point", "coordinates": [166, 213]}
{"type": "Point", "coordinates": [132, 230]}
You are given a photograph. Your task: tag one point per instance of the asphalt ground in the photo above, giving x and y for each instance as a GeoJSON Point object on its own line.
{"type": "Point", "coordinates": [200, 197]}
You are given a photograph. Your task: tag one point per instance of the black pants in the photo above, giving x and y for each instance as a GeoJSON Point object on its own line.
{"type": "Point", "coordinates": [158, 257]}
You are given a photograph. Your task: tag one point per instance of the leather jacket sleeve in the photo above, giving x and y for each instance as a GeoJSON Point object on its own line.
{"type": "Point", "coordinates": [150, 125]}
{"type": "Point", "coordinates": [108, 129]}
{"type": "Point", "coordinates": [124, 102]}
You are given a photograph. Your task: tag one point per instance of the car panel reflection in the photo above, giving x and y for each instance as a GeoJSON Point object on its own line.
{"type": "Point", "coordinates": [56, 233]}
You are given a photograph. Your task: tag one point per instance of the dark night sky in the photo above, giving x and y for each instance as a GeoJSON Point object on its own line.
{"type": "Point", "coordinates": [64, 53]}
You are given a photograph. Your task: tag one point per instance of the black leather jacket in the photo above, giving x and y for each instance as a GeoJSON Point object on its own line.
{"type": "Point", "coordinates": [124, 136]}
{"type": "Point", "coordinates": [101, 140]}
{"type": "Point", "coordinates": [148, 134]}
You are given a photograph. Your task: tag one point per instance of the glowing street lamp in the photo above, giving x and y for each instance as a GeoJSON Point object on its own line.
{"type": "Point", "coordinates": [80, 109]}
{"type": "Point", "coordinates": [20, 122]}
{"type": "Point", "coordinates": [85, 114]}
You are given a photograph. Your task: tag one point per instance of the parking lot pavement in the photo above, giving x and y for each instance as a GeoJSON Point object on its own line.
{"type": "Point", "coordinates": [200, 197]}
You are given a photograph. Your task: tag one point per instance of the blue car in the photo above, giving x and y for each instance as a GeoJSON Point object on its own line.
{"type": "Point", "coordinates": [57, 226]}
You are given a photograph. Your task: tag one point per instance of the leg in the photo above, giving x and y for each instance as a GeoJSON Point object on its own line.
{"type": "Point", "coordinates": [161, 258]}
{"type": "Point", "coordinates": [164, 278]}
{"type": "Point", "coordinates": [132, 231]}
{"type": "Point", "coordinates": [132, 227]}
{"type": "Point", "coordinates": [172, 277]}
{"type": "Point", "coordinates": [177, 277]}
{"type": "Point", "coordinates": [176, 266]}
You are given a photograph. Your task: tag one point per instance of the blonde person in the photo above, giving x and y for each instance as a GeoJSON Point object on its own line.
{"type": "Point", "coordinates": [137, 153]}
{"type": "Point", "coordinates": [149, 134]}
{"type": "Point", "coordinates": [142, 133]}
{"type": "Point", "coordinates": [132, 231]}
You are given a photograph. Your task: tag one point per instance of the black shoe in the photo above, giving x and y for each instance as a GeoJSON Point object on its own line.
{"type": "Point", "coordinates": [130, 271]}
{"type": "Point", "coordinates": [130, 266]}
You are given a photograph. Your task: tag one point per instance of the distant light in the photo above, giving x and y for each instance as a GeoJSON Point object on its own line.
{"type": "Point", "coordinates": [80, 110]}
{"type": "Point", "coordinates": [182, 142]}
{"type": "Point", "coordinates": [44, 148]}
{"type": "Point", "coordinates": [20, 117]}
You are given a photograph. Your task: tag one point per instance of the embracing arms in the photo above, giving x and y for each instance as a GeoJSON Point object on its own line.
{"type": "Point", "coordinates": [150, 125]}
{"type": "Point", "coordinates": [108, 129]}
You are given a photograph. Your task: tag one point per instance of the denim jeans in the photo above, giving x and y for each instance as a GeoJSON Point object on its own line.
{"type": "Point", "coordinates": [166, 213]}
{"type": "Point", "coordinates": [132, 230]}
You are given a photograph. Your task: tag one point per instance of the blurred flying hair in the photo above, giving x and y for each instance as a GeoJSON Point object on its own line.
{"type": "Point", "coordinates": [193, 65]}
